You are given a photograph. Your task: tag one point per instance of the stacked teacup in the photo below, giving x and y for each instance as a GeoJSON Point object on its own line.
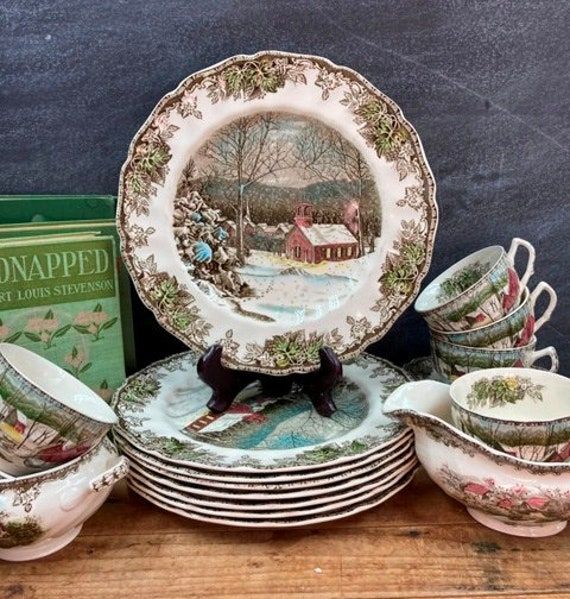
{"type": "Point", "coordinates": [481, 313]}
{"type": "Point", "coordinates": [56, 467]}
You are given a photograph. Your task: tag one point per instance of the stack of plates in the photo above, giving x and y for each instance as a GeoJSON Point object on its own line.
{"type": "Point", "coordinates": [266, 462]}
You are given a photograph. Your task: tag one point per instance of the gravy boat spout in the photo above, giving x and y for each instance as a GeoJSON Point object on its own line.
{"type": "Point", "coordinates": [421, 399]}
{"type": "Point", "coordinates": [501, 491]}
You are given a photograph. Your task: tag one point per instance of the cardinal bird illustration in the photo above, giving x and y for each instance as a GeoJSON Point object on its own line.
{"type": "Point", "coordinates": [475, 321]}
{"type": "Point", "coordinates": [510, 298]}
{"type": "Point", "coordinates": [527, 332]}
{"type": "Point", "coordinates": [58, 453]}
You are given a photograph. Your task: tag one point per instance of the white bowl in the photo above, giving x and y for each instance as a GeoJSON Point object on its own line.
{"type": "Point", "coordinates": [42, 513]}
{"type": "Point", "coordinates": [47, 416]}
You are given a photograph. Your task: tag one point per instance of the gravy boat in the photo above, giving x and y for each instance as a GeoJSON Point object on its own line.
{"type": "Point", "coordinates": [503, 492]}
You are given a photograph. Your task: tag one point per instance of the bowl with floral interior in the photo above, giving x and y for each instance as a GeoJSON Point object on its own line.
{"type": "Point", "coordinates": [452, 361]}
{"type": "Point", "coordinates": [47, 416]}
{"type": "Point", "coordinates": [43, 512]}
{"type": "Point", "coordinates": [505, 493]}
{"type": "Point", "coordinates": [521, 411]}
{"type": "Point", "coordinates": [478, 290]}
{"type": "Point", "coordinates": [516, 329]}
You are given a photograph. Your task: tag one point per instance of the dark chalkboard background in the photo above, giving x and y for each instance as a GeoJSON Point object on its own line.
{"type": "Point", "coordinates": [485, 84]}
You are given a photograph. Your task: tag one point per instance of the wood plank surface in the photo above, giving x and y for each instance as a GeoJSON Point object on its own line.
{"type": "Point", "coordinates": [418, 544]}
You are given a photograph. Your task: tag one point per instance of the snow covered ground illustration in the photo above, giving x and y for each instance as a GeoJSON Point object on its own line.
{"type": "Point", "coordinates": [293, 292]}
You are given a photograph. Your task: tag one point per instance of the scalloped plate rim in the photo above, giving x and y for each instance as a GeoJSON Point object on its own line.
{"type": "Point", "coordinates": [431, 194]}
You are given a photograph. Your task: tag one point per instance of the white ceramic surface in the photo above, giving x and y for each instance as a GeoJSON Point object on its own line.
{"type": "Point", "coordinates": [276, 510]}
{"type": "Point", "coordinates": [258, 433]}
{"type": "Point", "coordinates": [483, 288]}
{"type": "Point", "coordinates": [515, 329]}
{"type": "Point", "coordinates": [336, 514]}
{"type": "Point", "coordinates": [392, 238]}
{"type": "Point", "coordinates": [503, 492]}
{"type": "Point", "coordinates": [452, 361]}
{"type": "Point", "coordinates": [256, 498]}
{"type": "Point", "coordinates": [522, 411]}
{"type": "Point", "coordinates": [287, 481]}
{"type": "Point", "coordinates": [41, 513]}
{"type": "Point", "coordinates": [57, 383]}
{"type": "Point", "coordinates": [47, 416]}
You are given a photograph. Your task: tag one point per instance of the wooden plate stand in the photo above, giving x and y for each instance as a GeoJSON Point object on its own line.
{"type": "Point", "coordinates": [227, 383]}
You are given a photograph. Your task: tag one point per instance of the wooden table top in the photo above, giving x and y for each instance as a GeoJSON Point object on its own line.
{"type": "Point", "coordinates": [418, 544]}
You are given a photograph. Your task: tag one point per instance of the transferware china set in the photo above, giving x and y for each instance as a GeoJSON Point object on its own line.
{"type": "Point", "coordinates": [481, 314]}
{"type": "Point", "coordinates": [57, 467]}
{"type": "Point", "coordinates": [266, 461]}
{"type": "Point", "coordinates": [275, 205]}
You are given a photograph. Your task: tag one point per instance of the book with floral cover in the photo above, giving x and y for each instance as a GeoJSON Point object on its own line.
{"type": "Point", "coordinates": [40, 215]}
{"type": "Point", "coordinates": [59, 297]}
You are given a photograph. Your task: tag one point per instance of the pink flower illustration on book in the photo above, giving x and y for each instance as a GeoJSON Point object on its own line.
{"type": "Point", "coordinates": [7, 334]}
{"type": "Point", "coordinates": [45, 329]}
{"type": "Point", "coordinates": [77, 362]}
{"type": "Point", "coordinates": [93, 323]}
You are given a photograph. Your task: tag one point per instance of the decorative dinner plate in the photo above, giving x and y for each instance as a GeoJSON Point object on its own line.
{"type": "Point", "coordinates": [279, 511]}
{"type": "Point", "coordinates": [276, 203]}
{"type": "Point", "coordinates": [275, 501]}
{"type": "Point", "coordinates": [162, 410]}
{"type": "Point", "coordinates": [335, 514]}
{"type": "Point", "coordinates": [263, 481]}
{"type": "Point", "coordinates": [270, 492]}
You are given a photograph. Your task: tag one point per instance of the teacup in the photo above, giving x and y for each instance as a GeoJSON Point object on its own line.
{"type": "Point", "coordinates": [47, 416]}
{"type": "Point", "coordinates": [513, 330]}
{"type": "Point", "coordinates": [480, 289]}
{"type": "Point", "coordinates": [452, 361]}
{"type": "Point", "coordinates": [523, 412]}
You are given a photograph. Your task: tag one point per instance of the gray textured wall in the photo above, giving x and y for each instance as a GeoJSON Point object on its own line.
{"type": "Point", "coordinates": [485, 84]}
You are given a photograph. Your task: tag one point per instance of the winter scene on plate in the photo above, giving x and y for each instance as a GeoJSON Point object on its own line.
{"type": "Point", "coordinates": [278, 216]}
{"type": "Point", "coordinates": [256, 421]}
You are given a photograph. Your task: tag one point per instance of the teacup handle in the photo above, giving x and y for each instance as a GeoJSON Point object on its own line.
{"type": "Point", "coordinates": [543, 287]}
{"type": "Point", "coordinates": [111, 476]}
{"type": "Point", "coordinates": [551, 353]}
{"type": "Point", "coordinates": [516, 243]}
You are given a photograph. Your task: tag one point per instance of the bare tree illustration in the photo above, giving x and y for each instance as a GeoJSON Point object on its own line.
{"type": "Point", "coordinates": [326, 155]}
{"type": "Point", "coordinates": [248, 150]}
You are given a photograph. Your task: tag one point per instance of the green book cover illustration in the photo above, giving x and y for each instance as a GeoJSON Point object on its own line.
{"type": "Point", "coordinates": [59, 297]}
{"type": "Point", "coordinates": [101, 227]}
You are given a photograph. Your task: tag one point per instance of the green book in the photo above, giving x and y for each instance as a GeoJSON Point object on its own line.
{"type": "Point", "coordinates": [55, 208]}
{"type": "Point", "coordinates": [59, 297]}
{"type": "Point", "coordinates": [26, 215]}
